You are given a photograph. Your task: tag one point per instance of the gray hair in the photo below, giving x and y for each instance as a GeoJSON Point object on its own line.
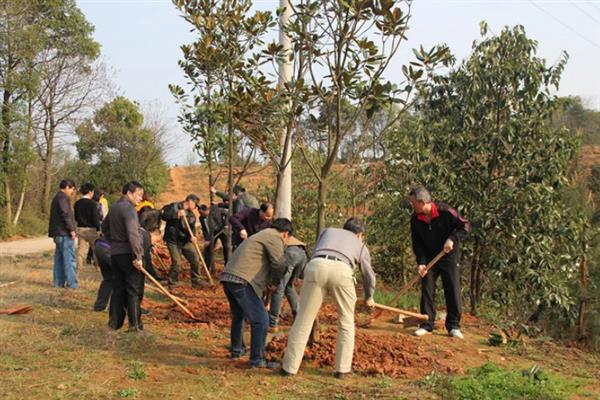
{"type": "Point", "coordinates": [421, 194]}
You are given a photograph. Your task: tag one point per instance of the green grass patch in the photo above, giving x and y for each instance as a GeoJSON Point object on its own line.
{"type": "Point", "coordinates": [129, 393]}
{"type": "Point", "coordinates": [136, 371]}
{"type": "Point", "coordinates": [491, 382]}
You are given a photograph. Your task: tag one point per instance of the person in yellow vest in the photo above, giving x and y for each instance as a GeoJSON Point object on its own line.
{"type": "Point", "coordinates": [144, 205]}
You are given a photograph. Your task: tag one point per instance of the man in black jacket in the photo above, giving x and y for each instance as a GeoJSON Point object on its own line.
{"type": "Point", "coordinates": [250, 221]}
{"type": "Point", "coordinates": [88, 222]}
{"type": "Point", "coordinates": [178, 238]}
{"type": "Point", "coordinates": [435, 227]}
{"type": "Point", "coordinates": [61, 228]}
{"type": "Point", "coordinates": [122, 229]}
{"type": "Point", "coordinates": [213, 221]}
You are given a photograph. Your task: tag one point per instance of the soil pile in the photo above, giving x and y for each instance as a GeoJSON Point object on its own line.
{"type": "Point", "coordinates": [374, 354]}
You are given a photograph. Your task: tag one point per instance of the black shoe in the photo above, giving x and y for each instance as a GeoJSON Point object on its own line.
{"type": "Point", "coordinates": [283, 372]}
{"type": "Point", "coordinates": [266, 364]}
{"type": "Point", "coordinates": [343, 375]}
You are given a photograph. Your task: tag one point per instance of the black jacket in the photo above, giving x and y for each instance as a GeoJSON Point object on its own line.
{"type": "Point", "coordinates": [176, 231]}
{"type": "Point", "coordinates": [215, 223]}
{"type": "Point", "coordinates": [62, 222]}
{"type": "Point", "coordinates": [248, 219]}
{"type": "Point", "coordinates": [428, 238]}
{"type": "Point", "coordinates": [121, 228]}
{"type": "Point", "coordinates": [87, 213]}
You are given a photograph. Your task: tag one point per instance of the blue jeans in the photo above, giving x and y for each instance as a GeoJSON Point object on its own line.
{"type": "Point", "coordinates": [65, 263]}
{"type": "Point", "coordinates": [286, 286]}
{"type": "Point", "coordinates": [245, 304]}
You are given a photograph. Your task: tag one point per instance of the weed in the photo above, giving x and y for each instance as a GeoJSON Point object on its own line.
{"type": "Point", "coordinates": [68, 331]}
{"type": "Point", "coordinates": [490, 382]}
{"type": "Point", "coordinates": [384, 383]}
{"type": "Point", "coordinates": [137, 371]}
{"type": "Point", "coordinates": [194, 334]}
{"type": "Point", "coordinates": [130, 392]}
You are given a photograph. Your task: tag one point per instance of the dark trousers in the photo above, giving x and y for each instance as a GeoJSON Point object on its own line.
{"type": "Point", "coordinates": [128, 291]}
{"type": "Point", "coordinates": [209, 251]}
{"type": "Point", "coordinates": [176, 250]}
{"type": "Point", "coordinates": [106, 288]}
{"type": "Point", "coordinates": [451, 282]}
{"type": "Point", "coordinates": [245, 304]}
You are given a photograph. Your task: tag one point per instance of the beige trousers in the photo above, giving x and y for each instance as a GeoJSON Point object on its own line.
{"type": "Point", "coordinates": [85, 238]}
{"type": "Point", "coordinates": [324, 276]}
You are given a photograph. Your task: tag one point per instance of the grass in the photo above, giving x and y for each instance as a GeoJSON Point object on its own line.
{"type": "Point", "coordinates": [491, 382]}
{"type": "Point", "coordinates": [63, 350]}
{"type": "Point", "coordinates": [137, 371]}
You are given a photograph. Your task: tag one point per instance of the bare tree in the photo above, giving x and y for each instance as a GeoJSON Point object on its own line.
{"type": "Point", "coordinates": [70, 88]}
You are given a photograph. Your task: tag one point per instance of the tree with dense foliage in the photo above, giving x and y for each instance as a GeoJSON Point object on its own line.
{"type": "Point", "coordinates": [481, 138]}
{"type": "Point", "coordinates": [115, 146]}
{"type": "Point", "coordinates": [37, 39]}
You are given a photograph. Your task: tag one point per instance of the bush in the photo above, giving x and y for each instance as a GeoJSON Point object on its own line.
{"type": "Point", "coordinates": [490, 382]}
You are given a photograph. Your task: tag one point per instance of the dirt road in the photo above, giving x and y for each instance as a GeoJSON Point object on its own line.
{"type": "Point", "coordinates": [26, 246]}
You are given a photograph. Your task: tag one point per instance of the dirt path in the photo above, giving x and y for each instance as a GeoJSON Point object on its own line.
{"type": "Point", "coordinates": [26, 246]}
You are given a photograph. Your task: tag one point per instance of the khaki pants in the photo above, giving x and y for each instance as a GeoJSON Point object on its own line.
{"type": "Point", "coordinates": [320, 277]}
{"type": "Point", "coordinates": [85, 239]}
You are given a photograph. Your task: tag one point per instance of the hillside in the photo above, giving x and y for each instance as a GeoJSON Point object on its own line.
{"type": "Point", "coordinates": [194, 179]}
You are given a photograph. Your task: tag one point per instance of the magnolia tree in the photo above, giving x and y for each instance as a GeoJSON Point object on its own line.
{"type": "Point", "coordinates": [341, 50]}
{"type": "Point", "coordinates": [481, 138]}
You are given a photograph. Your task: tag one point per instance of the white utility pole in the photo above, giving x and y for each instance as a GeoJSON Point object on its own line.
{"type": "Point", "coordinates": [283, 203]}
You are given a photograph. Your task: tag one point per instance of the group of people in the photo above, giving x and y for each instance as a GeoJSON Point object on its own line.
{"type": "Point", "coordinates": [266, 262]}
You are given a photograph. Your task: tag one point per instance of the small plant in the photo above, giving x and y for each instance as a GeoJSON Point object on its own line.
{"type": "Point", "coordinates": [68, 331]}
{"type": "Point", "coordinates": [194, 334]}
{"type": "Point", "coordinates": [129, 392]}
{"type": "Point", "coordinates": [490, 382]}
{"type": "Point", "coordinates": [385, 382]}
{"type": "Point", "coordinates": [432, 380]}
{"type": "Point", "coordinates": [137, 371]}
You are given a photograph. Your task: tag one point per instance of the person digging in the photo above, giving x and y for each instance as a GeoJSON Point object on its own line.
{"type": "Point", "coordinates": [435, 227]}
{"type": "Point", "coordinates": [256, 262]}
{"type": "Point", "coordinates": [338, 254]}
{"type": "Point", "coordinates": [178, 239]}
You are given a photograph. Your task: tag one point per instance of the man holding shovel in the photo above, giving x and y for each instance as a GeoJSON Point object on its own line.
{"type": "Point", "coordinates": [122, 230]}
{"type": "Point", "coordinates": [178, 238]}
{"type": "Point", "coordinates": [256, 263]}
{"type": "Point", "coordinates": [435, 227]}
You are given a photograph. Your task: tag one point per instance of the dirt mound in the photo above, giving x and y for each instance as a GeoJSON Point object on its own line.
{"type": "Point", "coordinates": [374, 354]}
{"type": "Point", "coordinates": [194, 179]}
{"type": "Point", "coordinates": [208, 305]}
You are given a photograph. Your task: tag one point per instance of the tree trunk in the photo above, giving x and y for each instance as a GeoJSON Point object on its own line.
{"type": "Point", "coordinates": [47, 183]}
{"type": "Point", "coordinates": [283, 197]}
{"type": "Point", "coordinates": [4, 162]}
{"type": "Point", "coordinates": [25, 179]}
{"type": "Point", "coordinates": [584, 282]}
{"type": "Point", "coordinates": [20, 206]}
{"type": "Point", "coordinates": [321, 206]}
{"type": "Point", "coordinates": [230, 184]}
{"type": "Point", "coordinates": [475, 290]}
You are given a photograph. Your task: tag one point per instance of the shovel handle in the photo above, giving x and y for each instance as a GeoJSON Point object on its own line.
{"type": "Point", "coordinates": [421, 317]}
{"type": "Point", "coordinates": [189, 229]}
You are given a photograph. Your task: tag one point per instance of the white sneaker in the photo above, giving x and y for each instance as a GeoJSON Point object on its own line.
{"type": "Point", "coordinates": [421, 332]}
{"type": "Point", "coordinates": [456, 333]}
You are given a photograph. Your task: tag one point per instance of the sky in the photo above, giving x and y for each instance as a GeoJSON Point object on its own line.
{"type": "Point", "coordinates": [141, 42]}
